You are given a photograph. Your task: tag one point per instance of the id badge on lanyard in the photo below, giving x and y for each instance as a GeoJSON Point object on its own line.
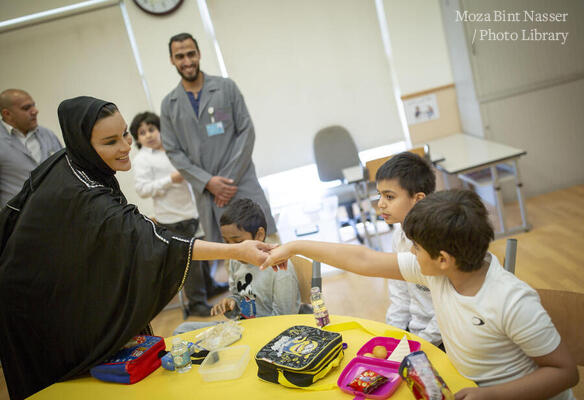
{"type": "Point", "coordinates": [214, 128]}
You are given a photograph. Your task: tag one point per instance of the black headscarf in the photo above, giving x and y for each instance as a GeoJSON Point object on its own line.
{"type": "Point", "coordinates": [77, 118]}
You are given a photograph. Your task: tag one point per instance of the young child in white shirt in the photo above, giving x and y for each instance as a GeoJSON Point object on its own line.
{"type": "Point", "coordinates": [494, 328]}
{"type": "Point", "coordinates": [402, 181]}
{"type": "Point", "coordinates": [174, 205]}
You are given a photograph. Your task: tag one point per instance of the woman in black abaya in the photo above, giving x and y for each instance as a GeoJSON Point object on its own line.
{"type": "Point", "coordinates": [82, 271]}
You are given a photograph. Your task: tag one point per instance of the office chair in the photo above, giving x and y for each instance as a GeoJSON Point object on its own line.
{"type": "Point", "coordinates": [335, 150]}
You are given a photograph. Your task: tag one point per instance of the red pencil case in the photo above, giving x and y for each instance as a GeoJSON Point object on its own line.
{"type": "Point", "coordinates": [138, 358]}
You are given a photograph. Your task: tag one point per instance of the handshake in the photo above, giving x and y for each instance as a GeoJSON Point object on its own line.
{"type": "Point", "coordinates": [264, 255]}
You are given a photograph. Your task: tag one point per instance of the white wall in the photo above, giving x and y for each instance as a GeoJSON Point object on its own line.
{"type": "Point", "coordinates": [301, 65]}
{"type": "Point", "coordinates": [418, 43]}
{"type": "Point", "coordinates": [525, 93]}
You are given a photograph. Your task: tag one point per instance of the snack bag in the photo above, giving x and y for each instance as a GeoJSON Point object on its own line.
{"type": "Point", "coordinates": [220, 335]}
{"type": "Point", "coordinates": [367, 381]}
{"type": "Point", "coordinates": [422, 378]}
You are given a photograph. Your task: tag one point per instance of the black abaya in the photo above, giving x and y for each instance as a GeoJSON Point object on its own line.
{"type": "Point", "coordinates": [81, 272]}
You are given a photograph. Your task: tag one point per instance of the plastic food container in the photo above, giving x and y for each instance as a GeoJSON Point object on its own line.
{"type": "Point", "coordinates": [225, 363]}
{"type": "Point", "coordinates": [389, 369]}
{"type": "Point", "coordinates": [359, 364]}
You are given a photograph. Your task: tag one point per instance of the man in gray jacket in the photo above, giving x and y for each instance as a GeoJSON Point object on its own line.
{"type": "Point", "coordinates": [208, 136]}
{"type": "Point", "coordinates": [23, 143]}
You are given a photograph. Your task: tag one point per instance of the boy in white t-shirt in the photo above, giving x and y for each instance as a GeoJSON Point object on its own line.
{"type": "Point", "coordinates": [174, 205]}
{"type": "Point", "coordinates": [402, 181]}
{"type": "Point", "coordinates": [494, 328]}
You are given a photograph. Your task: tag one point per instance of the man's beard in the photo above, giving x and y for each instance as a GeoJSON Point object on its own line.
{"type": "Point", "coordinates": [189, 78]}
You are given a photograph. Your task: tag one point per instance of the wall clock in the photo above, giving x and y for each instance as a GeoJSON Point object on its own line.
{"type": "Point", "coordinates": [158, 7]}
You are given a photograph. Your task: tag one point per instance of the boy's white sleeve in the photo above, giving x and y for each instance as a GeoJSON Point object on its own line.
{"type": "Point", "coordinates": [398, 312]}
{"type": "Point", "coordinates": [528, 325]}
{"type": "Point", "coordinates": [432, 332]}
{"type": "Point", "coordinates": [409, 268]}
{"type": "Point", "coordinates": [146, 184]}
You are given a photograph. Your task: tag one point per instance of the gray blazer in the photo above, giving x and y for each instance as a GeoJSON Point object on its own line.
{"type": "Point", "coordinates": [199, 156]}
{"type": "Point", "coordinates": [16, 163]}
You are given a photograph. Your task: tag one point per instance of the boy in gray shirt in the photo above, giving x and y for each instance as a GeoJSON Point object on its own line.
{"type": "Point", "coordinates": [254, 293]}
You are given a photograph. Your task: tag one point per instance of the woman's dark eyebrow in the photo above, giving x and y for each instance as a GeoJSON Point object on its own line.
{"type": "Point", "coordinates": [109, 137]}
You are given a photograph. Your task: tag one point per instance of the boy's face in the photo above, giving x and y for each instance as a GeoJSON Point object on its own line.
{"type": "Point", "coordinates": [232, 234]}
{"type": "Point", "coordinates": [428, 266]}
{"type": "Point", "coordinates": [149, 136]}
{"type": "Point", "coordinates": [394, 201]}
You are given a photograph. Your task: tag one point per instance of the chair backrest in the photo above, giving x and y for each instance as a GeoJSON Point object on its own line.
{"type": "Point", "coordinates": [565, 309]}
{"type": "Point", "coordinates": [373, 165]}
{"type": "Point", "coordinates": [510, 255]}
{"type": "Point", "coordinates": [334, 150]}
{"type": "Point", "coordinates": [306, 274]}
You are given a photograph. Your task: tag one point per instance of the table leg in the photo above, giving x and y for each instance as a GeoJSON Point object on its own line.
{"type": "Point", "coordinates": [518, 186]}
{"type": "Point", "coordinates": [498, 198]}
{"type": "Point", "coordinates": [445, 176]}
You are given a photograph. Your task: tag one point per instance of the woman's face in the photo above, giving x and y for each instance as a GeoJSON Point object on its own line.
{"type": "Point", "coordinates": [111, 140]}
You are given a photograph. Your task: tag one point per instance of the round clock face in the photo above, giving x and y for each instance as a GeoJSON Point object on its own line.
{"type": "Point", "coordinates": [158, 7]}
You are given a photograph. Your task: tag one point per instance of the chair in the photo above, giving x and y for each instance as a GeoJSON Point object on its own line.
{"type": "Point", "coordinates": [373, 165]}
{"type": "Point", "coordinates": [334, 151]}
{"type": "Point", "coordinates": [308, 274]}
{"type": "Point", "coordinates": [510, 255]}
{"type": "Point", "coordinates": [565, 310]}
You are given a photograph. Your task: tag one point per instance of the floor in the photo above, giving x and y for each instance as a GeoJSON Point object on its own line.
{"type": "Point", "coordinates": [548, 256]}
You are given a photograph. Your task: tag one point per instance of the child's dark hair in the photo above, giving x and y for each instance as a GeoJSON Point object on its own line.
{"type": "Point", "coordinates": [455, 221]}
{"type": "Point", "coordinates": [147, 117]}
{"type": "Point", "coordinates": [413, 173]}
{"type": "Point", "coordinates": [246, 214]}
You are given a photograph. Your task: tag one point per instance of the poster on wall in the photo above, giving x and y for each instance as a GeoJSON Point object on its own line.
{"type": "Point", "coordinates": [421, 109]}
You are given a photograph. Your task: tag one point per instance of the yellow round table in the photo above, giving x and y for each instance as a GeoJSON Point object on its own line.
{"type": "Point", "coordinates": [163, 384]}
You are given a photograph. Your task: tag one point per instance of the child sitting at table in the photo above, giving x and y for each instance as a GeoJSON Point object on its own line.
{"type": "Point", "coordinates": [402, 181]}
{"type": "Point", "coordinates": [254, 293]}
{"type": "Point", "coordinates": [494, 328]}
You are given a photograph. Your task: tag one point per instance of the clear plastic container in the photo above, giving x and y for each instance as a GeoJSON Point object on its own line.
{"type": "Point", "coordinates": [225, 363]}
{"type": "Point", "coordinates": [181, 355]}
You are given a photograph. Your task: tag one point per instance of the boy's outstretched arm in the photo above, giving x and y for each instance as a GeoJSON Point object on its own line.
{"type": "Point", "coordinates": [556, 373]}
{"type": "Point", "coordinates": [354, 258]}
